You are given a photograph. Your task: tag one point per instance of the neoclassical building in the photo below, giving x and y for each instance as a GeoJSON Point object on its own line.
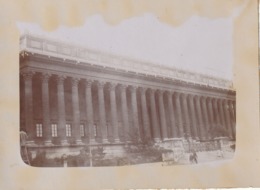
{"type": "Point", "coordinates": [71, 95]}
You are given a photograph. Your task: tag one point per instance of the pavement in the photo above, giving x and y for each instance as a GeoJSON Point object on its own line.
{"type": "Point", "coordinates": [214, 157]}
{"type": "Point", "coordinates": [210, 156]}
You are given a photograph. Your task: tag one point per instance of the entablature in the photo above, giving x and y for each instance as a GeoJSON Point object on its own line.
{"type": "Point", "coordinates": [83, 56]}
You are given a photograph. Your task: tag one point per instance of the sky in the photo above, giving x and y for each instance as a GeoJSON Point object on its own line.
{"type": "Point", "coordinates": [200, 44]}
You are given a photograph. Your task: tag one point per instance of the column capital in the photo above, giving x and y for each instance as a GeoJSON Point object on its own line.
{"type": "Point", "coordinates": [190, 96]}
{"type": "Point", "coordinates": [225, 101]}
{"type": "Point", "coordinates": [202, 98]}
{"type": "Point", "coordinates": [27, 74]}
{"type": "Point", "coordinates": [132, 88]}
{"type": "Point", "coordinates": [122, 87]}
{"type": "Point", "coordinates": [111, 86]}
{"type": "Point", "coordinates": [169, 93]}
{"type": "Point", "coordinates": [151, 91]}
{"type": "Point", "coordinates": [160, 92]}
{"type": "Point", "coordinates": [101, 84]}
{"type": "Point", "coordinates": [196, 97]}
{"type": "Point", "coordinates": [45, 77]}
{"type": "Point", "coordinates": [88, 83]}
{"type": "Point", "coordinates": [177, 94]}
{"type": "Point", "coordinates": [184, 95]}
{"type": "Point", "coordinates": [142, 90]}
{"type": "Point", "coordinates": [60, 79]}
{"type": "Point", "coordinates": [75, 81]}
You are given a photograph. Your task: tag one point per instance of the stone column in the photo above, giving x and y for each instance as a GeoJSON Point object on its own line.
{"type": "Point", "coordinates": [135, 112]}
{"type": "Point", "coordinates": [234, 109]}
{"type": "Point", "coordinates": [89, 111]}
{"type": "Point", "coordinates": [155, 125]}
{"type": "Point", "coordinates": [28, 102]}
{"type": "Point", "coordinates": [76, 112]}
{"type": "Point", "coordinates": [162, 116]}
{"type": "Point", "coordinates": [46, 109]}
{"type": "Point", "coordinates": [232, 118]}
{"type": "Point", "coordinates": [179, 115]}
{"type": "Point", "coordinates": [61, 110]}
{"type": "Point", "coordinates": [200, 121]}
{"type": "Point", "coordinates": [145, 119]}
{"type": "Point", "coordinates": [221, 111]}
{"type": "Point", "coordinates": [102, 128]}
{"type": "Point", "coordinates": [171, 114]}
{"type": "Point", "coordinates": [113, 107]}
{"type": "Point", "coordinates": [194, 128]}
{"type": "Point", "coordinates": [211, 116]}
{"type": "Point", "coordinates": [205, 117]}
{"type": "Point", "coordinates": [186, 117]}
{"type": "Point", "coordinates": [227, 118]}
{"type": "Point", "coordinates": [124, 110]}
{"type": "Point", "coordinates": [216, 112]}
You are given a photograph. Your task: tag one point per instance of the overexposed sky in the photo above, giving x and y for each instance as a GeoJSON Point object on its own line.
{"type": "Point", "coordinates": [200, 44]}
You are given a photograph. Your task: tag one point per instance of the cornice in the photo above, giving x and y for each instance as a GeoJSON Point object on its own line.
{"type": "Point", "coordinates": [81, 55]}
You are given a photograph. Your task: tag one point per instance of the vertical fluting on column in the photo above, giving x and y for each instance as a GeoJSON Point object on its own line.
{"type": "Point", "coordinates": [135, 130]}
{"type": "Point", "coordinates": [124, 110]}
{"type": "Point", "coordinates": [155, 125]}
{"type": "Point", "coordinates": [145, 119]}
{"type": "Point", "coordinates": [113, 107]}
{"type": "Point", "coordinates": [171, 114]}
{"type": "Point", "coordinates": [201, 125]}
{"type": "Point", "coordinates": [232, 118]}
{"type": "Point", "coordinates": [234, 109]}
{"type": "Point", "coordinates": [46, 108]}
{"type": "Point", "coordinates": [162, 116]}
{"type": "Point", "coordinates": [205, 117]}
{"type": "Point", "coordinates": [61, 110]}
{"type": "Point", "coordinates": [221, 111]}
{"type": "Point", "coordinates": [29, 106]}
{"type": "Point", "coordinates": [89, 111]}
{"type": "Point", "coordinates": [102, 130]}
{"type": "Point", "coordinates": [179, 115]}
{"type": "Point", "coordinates": [216, 113]}
{"type": "Point", "coordinates": [227, 118]}
{"type": "Point", "coordinates": [76, 112]}
{"type": "Point", "coordinates": [194, 127]}
{"type": "Point", "coordinates": [210, 111]}
{"type": "Point", "coordinates": [186, 117]}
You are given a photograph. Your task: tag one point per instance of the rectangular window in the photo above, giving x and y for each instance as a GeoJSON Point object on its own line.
{"type": "Point", "coordinates": [82, 132]}
{"type": "Point", "coordinates": [54, 130]}
{"type": "Point", "coordinates": [68, 130]}
{"type": "Point", "coordinates": [38, 130]}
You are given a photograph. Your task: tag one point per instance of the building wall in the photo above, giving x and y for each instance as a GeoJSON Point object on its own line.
{"type": "Point", "coordinates": [173, 108]}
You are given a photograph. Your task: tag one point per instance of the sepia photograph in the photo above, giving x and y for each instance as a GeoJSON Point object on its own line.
{"type": "Point", "coordinates": [129, 94]}
{"type": "Point", "coordinates": [101, 95]}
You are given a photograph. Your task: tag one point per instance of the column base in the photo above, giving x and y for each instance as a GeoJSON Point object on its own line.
{"type": "Point", "coordinates": [48, 143]}
{"type": "Point", "coordinates": [105, 140]}
{"type": "Point", "coordinates": [92, 141]}
{"type": "Point", "coordinates": [117, 140]}
{"type": "Point", "coordinates": [79, 142]}
{"type": "Point", "coordinates": [157, 140]}
{"type": "Point", "coordinates": [64, 142]}
{"type": "Point", "coordinates": [30, 143]}
{"type": "Point", "coordinates": [166, 138]}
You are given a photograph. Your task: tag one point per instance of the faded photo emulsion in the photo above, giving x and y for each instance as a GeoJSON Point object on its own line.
{"type": "Point", "coordinates": [140, 92]}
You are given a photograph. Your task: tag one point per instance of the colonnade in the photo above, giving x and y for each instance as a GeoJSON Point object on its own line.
{"type": "Point", "coordinates": [156, 114]}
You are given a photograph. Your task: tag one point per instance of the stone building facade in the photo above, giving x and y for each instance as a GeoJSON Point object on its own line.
{"type": "Point", "coordinates": [70, 95]}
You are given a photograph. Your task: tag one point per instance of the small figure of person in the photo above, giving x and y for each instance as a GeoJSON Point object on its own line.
{"type": "Point", "coordinates": [65, 161]}
{"type": "Point", "coordinates": [193, 157]}
{"type": "Point", "coordinates": [220, 153]}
